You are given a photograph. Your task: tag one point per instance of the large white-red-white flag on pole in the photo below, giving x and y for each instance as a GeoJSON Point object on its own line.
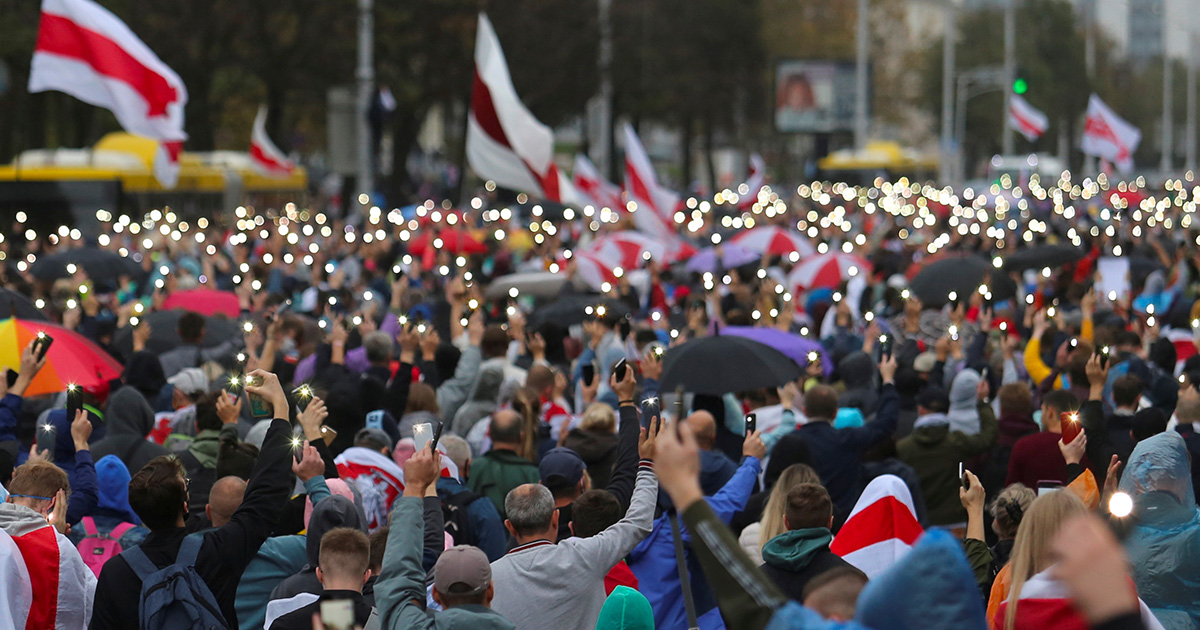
{"type": "Point", "coordinates": [592, 188]}
{"type": "Point", "coordinates": [264, 155]}
{"type": "Point", "coordinates": [654, 205]}
{"type": "Point", "coordinates": [84, 50]}
{"type": "Point", "coordinates": [505, 143]}
{"type": "Point", "coordinates": [1106, 135]}
{"type": "Point", "coordinates": [1028, 120]}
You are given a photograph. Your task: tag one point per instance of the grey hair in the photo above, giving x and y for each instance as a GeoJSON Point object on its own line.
{"type": "Point", "coordinates": [530, 508]}
{"type": "Point", "coordinates": [379, 347]}
{"type": "Point", "coordinates": [457, 450]}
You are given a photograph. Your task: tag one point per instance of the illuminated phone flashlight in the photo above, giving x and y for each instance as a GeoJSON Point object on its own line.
{"type": "Point", "coordinates": [1150, 321]}
{"type": "Point", "coordinates": [837, 296]}
{"type": "Point", "coordinates": [138, 307]}
{"type": "Point", "coordinates": [601, 310]}
{"type": "Point", "coordinates": [133, 321]}
{"type": "Point", "coordinates": [813, 356]}
{"type": "Point", "coordinates": [72, 303]}
{"type": "Point", "coordinates": [357, 320]}
{"type": "Point", "coordinates": [402, 320]}
{"type": "Point", "coordinates": [248, 326]}
{"type": "Point", "coordinates": [421, 328]}
{"type": "Point", "coordinates": [882, 338]}
{"type": "Point", "coordinates": [1003, 326]}
{"type": "Point", "coordinates": [870, 317]}
{"type": "Point", "coordinates": [1112, 296]}
{"type": "Point", "coordinates": [953, 296]}
{"type": "Point", "coordinates": [1029, 299]}
{"type": "Point", "coordinates": [1050, 312]}
{"type": "Point", "coordinates": [1120, 505]}
{"type": "Point", "coordinates": [473, 304]}
{"type": "Point", "coordinates": [1045, 272]}
{"type": "Point", "coordinates": [1149, 309]}
{"type": "Point", "coordinates": [953, 332]}
{"type": "Point", "coordinates": [297, 442]}
{"type": "Point", "coordinates": [904, 294]}
{"type": "Point", "coordinates": [656, 316]}
{"type": "Point", "coordinates": [653, 400]}
{"type": "Point", "coordinates": [513, 292]}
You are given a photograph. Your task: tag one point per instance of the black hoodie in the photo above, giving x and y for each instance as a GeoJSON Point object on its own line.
{"type": "Point", "coordinates": [130, 419]}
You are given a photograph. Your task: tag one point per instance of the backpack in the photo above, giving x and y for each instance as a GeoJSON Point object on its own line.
{"type": "Point", "coordinates": [457, 516]}
{"type": "Point", "coordinates": [175, 597]}
{"type": "Point", "coordinates": [97, 548]}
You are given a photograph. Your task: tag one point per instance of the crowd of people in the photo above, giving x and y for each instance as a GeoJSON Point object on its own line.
{"type": "Point", "coordinates": [379, 428]}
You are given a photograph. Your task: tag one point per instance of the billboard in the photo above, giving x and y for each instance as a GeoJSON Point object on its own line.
{"type": "Point", "coordinates": [814, 96]}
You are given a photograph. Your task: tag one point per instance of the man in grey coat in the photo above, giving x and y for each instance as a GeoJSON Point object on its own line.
{"type": "Point", "coordinates": [540, 584]}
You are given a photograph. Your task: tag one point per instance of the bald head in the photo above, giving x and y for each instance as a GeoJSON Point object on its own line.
{"type": "Point", "coordinates": [224, 499]}
{"type": "Point", "coordinates": [704, 426]}
{"type": "Point", "coordinates": [505, 429]}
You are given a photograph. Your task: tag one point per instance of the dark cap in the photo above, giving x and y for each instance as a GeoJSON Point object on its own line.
{"type": "Point", "coordinates": [462, 570]}
{"type": "Point", "coordinates": [374, 438]}
{"type": "Point", "coordinates": [934, 399]}
{"type": "Point", "coordinates": [561, 467]}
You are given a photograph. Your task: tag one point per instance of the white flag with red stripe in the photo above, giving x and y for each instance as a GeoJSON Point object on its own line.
{"type": "Point", "coordinates": [1028, 120]}
{"type": "Point", "coordinates": [881, 529]}
{"type": "Point", "coordinates": [61, 586]}
{"type": "Point", "coordinates": [592, 188]}
{"type": "Point", "coordinates": [266, 157]}
{"type": "Point", "coordinates": [378, 478]}
{"type": "Point", "coordinates": [1046, 603]}
{"type": "Point", "coordinates": [1106, 135]}
{"type": "Point", "coordinates": [505, 143]}
{"type": "Point", "coordinates": [84, 50]}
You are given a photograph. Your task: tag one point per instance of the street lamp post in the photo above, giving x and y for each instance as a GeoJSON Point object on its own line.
{"type": "Point", "coordinates": [950, 39]}
{"type": "Point", "coordinates": [1010, 72]}
{"type": "Point", "coordinates": [861, 88]}
{"type": "Point", "coordinates": [365, 74]}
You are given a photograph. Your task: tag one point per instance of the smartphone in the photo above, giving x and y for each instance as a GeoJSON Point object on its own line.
{"type": "Point", "coordinates": [328, 434]}
{"type": "Point", "coordinates": [437, 434]}
{"type": "Point", "coordinates": [422, 435]}
{"type": "Point", "coordinates": [962, 474]}
{"type": "Point", "coordinates": [259, 407]}
{"type": "Point", "coordinates": [12, 376]}
{"type": "Point", "coordinates": [74, 401]}
{"type": "Point", "coordinates": [337, 614]}
{"type": "Point", "coordinates": [620, 369]}
{"type": "Point", "coordinates": [589, 374]}
{"type": "Point", "coordinates": [41, 345]}
{"type": "Point", "coordinates": [885, 346]}
{"type": "Point", "coordinates": [1072, 425]}
{"type": "Point", "coordinates": [751, 423]}
{"type": "Point", "coordinates": [1103, 357]}
{"type": "Point", "coordinates": [1046, 487]}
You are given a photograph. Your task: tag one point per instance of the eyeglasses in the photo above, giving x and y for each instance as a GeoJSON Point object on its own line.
{"type": "Point", "coordinates": [30, 496]}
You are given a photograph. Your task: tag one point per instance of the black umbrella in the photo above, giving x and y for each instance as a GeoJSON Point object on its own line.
{"type": "Point", "coordinates": [164, 334]}
{"type": "Point", "coordinates": [13, 304]}
{"type": "Point", "coordinates": [575, 309]}
{"type": "Point", "coordinates": [726, 363]}
{"type": "Point", "coordinates": [962, 275]}
{"type": "Point", "coordinates": [100, 264]}
{"type": "Point", "coordinates": [1040, 256]}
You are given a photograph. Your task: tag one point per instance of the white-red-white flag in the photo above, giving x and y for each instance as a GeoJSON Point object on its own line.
{"type": "Point", "coordinates": [84, 50]}
{"type": "Point", "coordinates": [754, 182]}
{"type": "Point", "coordinates": [1106, 135]}
{"type": "Point", "coordinates": [266, 157]}
{"type": "Point", "coordinates": [61, 587]}
{"type": "Point", "coordinates": [592, 188]}
{"type": "Point", "coordinates": [1028, 120]}
{"type": "Point", "coordinates": [881, 529]}
{"type": "Point", "coordinates": [379, 480]}
{"type": "Point", "coordinates": [505, 143]}
{"type": "Point", "coordinates": [653, 207]}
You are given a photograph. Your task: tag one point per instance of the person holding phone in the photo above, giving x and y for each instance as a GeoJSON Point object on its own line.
{"type": "Point", "coordinates": [11, 394]}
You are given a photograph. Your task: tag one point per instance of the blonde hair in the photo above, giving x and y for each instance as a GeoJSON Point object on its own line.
{"type": "Point", "coordinates": [599, 417]}
{"type": "Point", "coordinates": [772, 516]}
{"type": "Point", "coordinates": [1009, 509]}
{"type": "Point", "coordinates": [1031, 550]}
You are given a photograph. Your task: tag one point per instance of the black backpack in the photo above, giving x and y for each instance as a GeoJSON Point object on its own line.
{"type": "Point", "coordinates": [458, 520]}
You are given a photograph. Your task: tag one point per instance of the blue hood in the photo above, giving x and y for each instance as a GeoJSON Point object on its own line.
{"type": "Point", "coordinates": [113, 480]}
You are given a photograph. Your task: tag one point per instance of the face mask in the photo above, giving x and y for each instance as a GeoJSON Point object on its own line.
{"type": "Point", "coordinates": [1037, 417]}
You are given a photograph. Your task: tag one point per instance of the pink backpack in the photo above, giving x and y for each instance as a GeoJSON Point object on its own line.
{"type": "Point", "coordinates": [97, 548]}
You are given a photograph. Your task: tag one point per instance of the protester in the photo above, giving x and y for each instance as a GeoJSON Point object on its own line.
{"type": "Point", "coordinates": [1037, 457]}
{"type": "Point", "coordinates": [794, 558]}
{"type": "Point", "coordinates": [130, 420]}
{"type": "Point", "coordinates": [482, 526]}
{"type": "Point", "coordinates": [756, 535]}
{"type": "Point", "coordinates": [501, 469]}
{"type": "Point", "coordinates": [530, 589]}
{"type": "Point", "coordinates": [343, 570]}
{"type": "Point", "coordinates": [159, 496]}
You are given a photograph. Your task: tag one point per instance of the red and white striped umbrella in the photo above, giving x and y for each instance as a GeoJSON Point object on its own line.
{"type": "Point", "coordinates": [591, 269]}
{"type": "Point", "coordinates": [627, 249]}
{"type": "Point", "coordinates": [774, 240]}
{"type": "Point", "coordinates": [826, 271]}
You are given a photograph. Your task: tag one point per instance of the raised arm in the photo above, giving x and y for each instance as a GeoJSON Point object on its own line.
{"type": "Point", "coordinates": [625, 466]}
{"type": "Point", "coordinates": [400, 590]}
{"type": "Point", "coordinates": [888, 413]}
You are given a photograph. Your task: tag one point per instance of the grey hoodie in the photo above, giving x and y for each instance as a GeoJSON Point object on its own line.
{"type": "Point", "coordinates": [130, 419]}
{"type": "Point", "coordinates": [858, 373]}
{"type": "Point", "coordinates": [963, 414]}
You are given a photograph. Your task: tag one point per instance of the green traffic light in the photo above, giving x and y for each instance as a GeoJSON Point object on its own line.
{"type": "Point", "coordinates": [1020, 86]}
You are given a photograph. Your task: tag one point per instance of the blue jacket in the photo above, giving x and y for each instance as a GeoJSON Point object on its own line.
{"type": "Point", "coordinates": [490, 535]}
{"type": "Point", "coordinates": [653, 560]}
{"type": "Point", "coordinates": [10, 410]}
{"type": "Point", "coordinates": [837, 453]}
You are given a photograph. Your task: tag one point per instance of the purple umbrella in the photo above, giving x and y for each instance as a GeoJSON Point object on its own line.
{"type": "Point", "coordinates": [731, 256]}
{"type": "Point", "coordinates": [794, 346]}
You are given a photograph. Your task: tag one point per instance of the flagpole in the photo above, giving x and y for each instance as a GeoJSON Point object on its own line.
{"type": "Point", "coordinates": [1010, 72]}
{"type": "Point", "coordinates": [1190, 133]}
{"type": "Point", "coordinates": [1089, 51]}
{"type": "Point", "coordinates": [861, 85]}
{"type": "Point", "coordinates": [1168, 113]}
{"type": "Point", "coordinates": [949, 40]}
{"type": "Point", "coordinates": [365, 73]}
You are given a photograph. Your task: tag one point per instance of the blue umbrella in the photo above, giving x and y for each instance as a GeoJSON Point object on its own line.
{"type": "Point", "coordinates": [791, 345]}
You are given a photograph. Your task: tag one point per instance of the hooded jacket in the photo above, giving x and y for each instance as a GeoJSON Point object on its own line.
{"type": "Point", "coordinates": [113, 508]}
{"type": "Point", "coordinates": [598, 449]}
{"type": "Point", "coordinates": [481, 400]}
{"type": "Point", "coordinates": [335, 511]}
{"type": "Point", "coordinates": [130, 419]}
{"type": "Point", "coordinates": [963, 415]}
{"type": "Point", "coordinates": [626, 609]}
{"type": "Point", "coordinates": [793, 558]}
{"type": "Point", "coordinates": [934, 452]}
{"type": "Point", "coordinates": [858, 373]}
{"type": "Point", "coordinates": [1164, 545]}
